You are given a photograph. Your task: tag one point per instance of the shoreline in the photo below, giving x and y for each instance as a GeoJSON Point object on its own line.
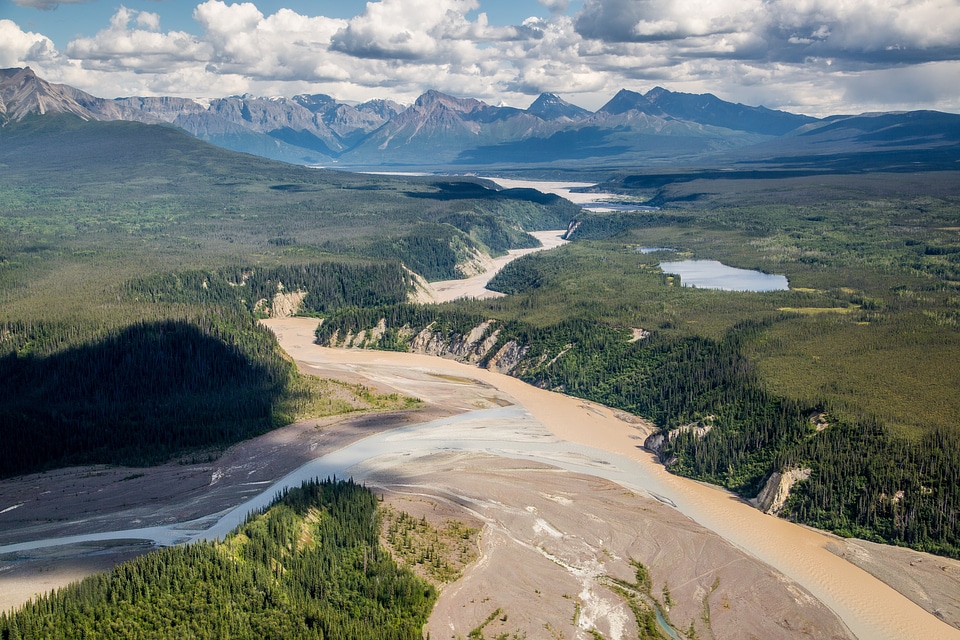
{"type": "Point", "coordinates": [475, 286]}
{"type": "Point", "coordinates": [868, 606]}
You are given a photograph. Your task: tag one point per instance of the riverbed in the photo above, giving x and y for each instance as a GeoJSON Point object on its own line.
{"type": "Point", "coordinates": [591, 439]}
{"type": "Point", "coordinates": [502, 418]}
{"type": "Point", "coordinates": [506, 419]}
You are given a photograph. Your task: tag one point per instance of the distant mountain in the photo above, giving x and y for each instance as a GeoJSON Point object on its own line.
{"type": "Point", "coordinates": [705, 109]}
{"type": "Point", "coordinates": [903, 141]}
{"type": "Point", "coordinates": [550, 106]}
{"type": "Point", "coordinates": [438, 128]}
{"type": "Point", "coordinates": [22, 93]}
{"type": "Point", "coordinates": [659, 127]}
{"type": "Point", "coordinates": [305, 129]}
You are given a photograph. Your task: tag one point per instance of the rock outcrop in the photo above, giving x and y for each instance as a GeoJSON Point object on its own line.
{"type": "Point", "coordinates": [777, 489]}
{"type": "Point", "coordinates": [657, 442]}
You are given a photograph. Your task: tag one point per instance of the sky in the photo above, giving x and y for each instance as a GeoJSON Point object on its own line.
{"type": "Point", "coordinates": [817, 57]}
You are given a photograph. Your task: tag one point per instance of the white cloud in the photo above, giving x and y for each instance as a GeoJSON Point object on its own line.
{"type": "Point", "coordinates": [18, 47]}
{"type": "Point", "coordinates": [655, 20]}
{"type": "Point", "coordinates": [861, 31]}
{"type": "Point", "coordinates": [434, 30]}
{"type": "Point", "coordinates": [813, 56]}
{"type": "Point", "coordinates": [872, 31]}
{"type": "Point", "coordinates": [149, 21]}
{"type": "Point", "coordinates": [122, 48]}
{"type": "Point", "coordinates": [284, 45]}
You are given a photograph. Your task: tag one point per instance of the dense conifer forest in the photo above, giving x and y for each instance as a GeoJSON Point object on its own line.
{"type": "Point", "coordinates": [310, 566]}
{"type": "Point", "coordinates": [139, 395]}
{"type": "Point", "coordinates": [851, 374]}
{"type": "Point", "coordinates": [124, 274]}
{"type": "Point", "coordinates": [136, 259]}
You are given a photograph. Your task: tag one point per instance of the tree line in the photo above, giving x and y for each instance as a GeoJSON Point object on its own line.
{"type": "Point", "coordinates": [310, 566]}
{"type": "Point", "coordinates": [137, 394]}
{"type": "Point", "coordinates": [865, 481]}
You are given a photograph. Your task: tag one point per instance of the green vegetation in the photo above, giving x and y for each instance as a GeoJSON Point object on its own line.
{"type": "Point", "coordinates": [310, 566]}
{"type": "Point", "coordinates": [852, 373]}
{"type": "Point", "coordinates": [643, 605]}
{"type": "Point", "coordinates": [134, 261]}
{"type": "Point", "coordinates": [140, 394]}
{"type": "Point", "coordinates": [439, 553]}
{"type": "Point", "coordinates": [326, 286]}
{"type": "Point", "coordinates": [477, 632]}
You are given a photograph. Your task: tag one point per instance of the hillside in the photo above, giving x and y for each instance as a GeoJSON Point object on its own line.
{"type": "Point", "coordinates": [846, 380]}
{"type": "Point", "coordinates": [309, 566]}
{"type": "Point", "coordinates": [142, 256]}
{"type": "Point", "coordinates": [438, 132]}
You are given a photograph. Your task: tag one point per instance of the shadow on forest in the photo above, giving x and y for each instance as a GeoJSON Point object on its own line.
{"type": "Point", "coordinates": [138, 397]}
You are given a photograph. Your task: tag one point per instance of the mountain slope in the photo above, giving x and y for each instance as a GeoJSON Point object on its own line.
{"type": "Point", "coordinates": [550, 106]}
{"type": "Point", "coordinates": [900, 142]}
{"type": "Point", "coordinates": [706, 109]}
{"type": "Point", "coordinates": [23, 93]}
{"type": "Point", "coordinates": [436, 128]}
{"type": "Point", "coordinates": [439, 131]}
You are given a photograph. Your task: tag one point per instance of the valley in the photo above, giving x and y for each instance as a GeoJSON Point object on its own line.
{"type": "Point", "coordinates": [156, 388]}
{"type": "Point", "coordinates": [463, 456]}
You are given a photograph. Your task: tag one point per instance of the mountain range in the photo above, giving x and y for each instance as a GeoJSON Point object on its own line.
{"type": "Point", "coordinates": [659, 127]}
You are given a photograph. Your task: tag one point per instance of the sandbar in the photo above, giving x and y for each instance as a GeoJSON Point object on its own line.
{"type": "Point", "coordinates": [868, 606]}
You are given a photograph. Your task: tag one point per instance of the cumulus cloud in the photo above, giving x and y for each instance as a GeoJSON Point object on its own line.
{"type": "Point", "coordinates": [659, 20]}
{"type": "Point", "coordinates": [860, 31]}
{"type": "Point", "coordinates": [141, 48]}
{"type": "Point", "coordinates": [18, 47]}
{"type": "Point", "coordinates": [813, 56]}
{"type": "Point", "coordinates": [419, 30]}
{"type": "Point", "coordinates": [870, 31]}
{"type": "Point", "coordinates": [285, 45]}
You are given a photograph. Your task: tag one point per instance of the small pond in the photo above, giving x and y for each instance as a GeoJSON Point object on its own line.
{"type": "Point", "coordinates": [710, 274]}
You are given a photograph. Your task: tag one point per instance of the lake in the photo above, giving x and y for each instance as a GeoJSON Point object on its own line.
{"type": "Point", "coordinates": [710, 274]}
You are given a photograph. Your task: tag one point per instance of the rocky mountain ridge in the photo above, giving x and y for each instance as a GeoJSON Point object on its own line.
{"type": "Point", "coordinates": [659, 127]}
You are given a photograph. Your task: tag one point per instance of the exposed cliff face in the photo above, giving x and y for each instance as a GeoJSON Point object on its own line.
{"type": "Point", "coordinates": [508, 357]}
{"type": "Point", "coordinates": [476, 346]}
{"type": "Point", "coordinates": [284, 304]}
{"type": "Point", "coordinates": [657, 442]}
{"type": "Point", "coordinates": [775, 492]}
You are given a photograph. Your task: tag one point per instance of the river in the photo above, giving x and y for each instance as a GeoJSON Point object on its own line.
{"type": "Point", "coordinates": [571, 434]}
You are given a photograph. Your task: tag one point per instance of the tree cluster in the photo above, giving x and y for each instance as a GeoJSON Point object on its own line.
{"type": "Point", "coordinates": [310, 566]}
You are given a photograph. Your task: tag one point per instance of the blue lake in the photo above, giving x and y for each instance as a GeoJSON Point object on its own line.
{"type": "Point", "coordinates": [710, 274]}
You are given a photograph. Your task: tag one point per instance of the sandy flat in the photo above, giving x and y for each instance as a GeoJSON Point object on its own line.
{"type": "Point", "coordinates": [563, 492]}
{"type": "Point", "coordinates": [868, 606]}
{"type": "Point", "coordinates": [551, 541]}
{"type": "Point", "coordinates": [475, 286]}
{"type": "Point", "coordinates": [562, 189]}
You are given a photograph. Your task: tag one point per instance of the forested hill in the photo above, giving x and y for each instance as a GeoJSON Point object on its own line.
{"type": "Point", "coordinates": [310, 566]}
{"type": "Point", "coordinates": [134, 260]}
{"type": "Point", "coordinates": [848, 379]}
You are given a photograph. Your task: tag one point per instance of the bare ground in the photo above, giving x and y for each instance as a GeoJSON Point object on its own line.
{"type": "Point", "coordinates": [550, 538]}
